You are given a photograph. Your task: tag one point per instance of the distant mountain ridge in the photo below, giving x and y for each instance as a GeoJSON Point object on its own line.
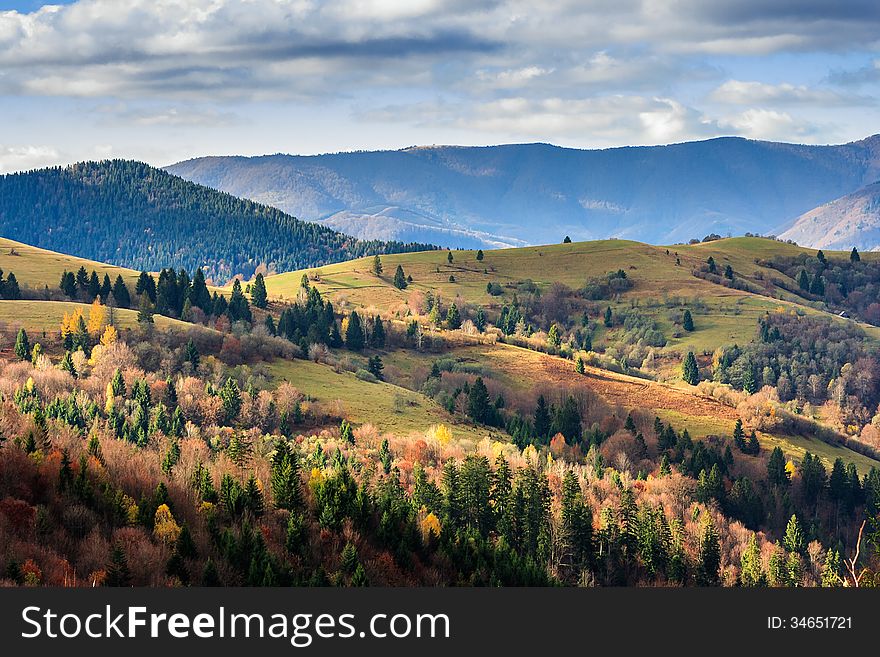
{"type": "Point", "coordinates": [131, 214]}
{"type": "Point", "coordinates": [536, 193]}
{"type": "Point", "coordinates": [849, 221]}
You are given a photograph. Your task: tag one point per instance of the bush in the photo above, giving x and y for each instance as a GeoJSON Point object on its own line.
{"type": "Point", "coordinates": [364, 375]}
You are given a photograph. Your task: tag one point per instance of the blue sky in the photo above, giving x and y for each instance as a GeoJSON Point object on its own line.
{"type": "Point", "coordinates": [165, 81]}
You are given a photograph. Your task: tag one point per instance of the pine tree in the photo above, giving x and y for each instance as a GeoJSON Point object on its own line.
{"type": "Point", "coordinates": [710, 554]}
{"type": "Point", "coordinates": [804, 280]}
{"type": "Point", "coordinates": [22, 346]}
{"type": "Point", "coordinates": [146, 285]}
{"type": "Point", "coordinates": [480, 255]}
{"type": "Point", "coordinates": [346, 432]}
{"type": "Point", "coordinates": [145, 312]}
{"type": "Point", "coordinates": [609, 318]}
{"type": "Point", "coordinates": [728, 272]}
{"type": "Point", "coordinates": [579, 366]}
{"type": "Point", "coordinates": [375, 367]}
{"type": "Point", "coordinates": [449, 257]}
{"type": "Point", "coordinates": [199, 295]}
{"type": "Point", "coordinates": [478, 402]}
{"type": "Point", "coordinates": [377, 339]}
{"type": "Point", "coordinates": [751, 566]}
{"type": "Point", "coordinates": [67, 365]}
{"type": "Point", "coordinates": [754, 447]}
{"type": "Point", "coordinates": [94, 287]}
{"type": "Point", "coordinates": [690, 372]}
{"type": "Point", "coordinates": [239, 309]}
{"type": "Point", "coordinates": [10, 289]}
{"type": "Point", "coordinates": [191, 354]}
{"type": "Point", "coordinates": [480, 321]}
{"type": "Point", "coordinates": [285, 482]}
{"type": "Point", "coordinates": [687, 321]}
{"type": "Point", "coordinates": [400, 281]}
{"type": "Point", "coordinates": [259, 296]}
{"type": "Point", "coordinates": [776, 471]}
{"type": "Point", "coordinates": [817, 287]}
{"type": "Point", "coordinates": [68, 284]}
{"type": "Point", "coordinates": [377, 265]}
{"type": "Point", "coordinates": [854, 255]}
{"type": "Point", "coordinates": [230, 395]}
{"type": "Point", "coordinates": [354, 333]}
{"type": "Point", "coordinates": [453, 319]}
{"type": "Point", "coordinates": [118, 573]}
{"type": "Point", "coordinates": [794, 540]}
{"type": "Point", "coordinates": [713, 269]}
{"type": "Point", "coordinates": [739, 436]}
{"type": "Point", "coordinates": [553, 337]}
{"type": "Point", "coordinates": [121, 295]}
{"type": "Point", "coordinates": [542, 419]}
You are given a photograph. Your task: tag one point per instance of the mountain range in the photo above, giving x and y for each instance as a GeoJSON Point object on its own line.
{"type": "Point", "coordinates": [131, 214]}
{"type": "Point", "coordinates": [513, 195]}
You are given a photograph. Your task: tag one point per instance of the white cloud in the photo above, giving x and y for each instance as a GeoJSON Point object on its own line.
{"type": "Point", "coordinates": [738, 92]}
{"type": "Point", "coordinates": [19, 158]}
{"type": "Point", "coordinates": [758, 123]}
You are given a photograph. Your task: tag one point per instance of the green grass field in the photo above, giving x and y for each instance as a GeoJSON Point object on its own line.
{"type": "Point", "coordinates": [36, 268]}
{"type": "Point", "coordinates": [656, 276]}
{"type": "Point", "coordinates": [47, 316]}
{"type": "Point", "coordinates": [390, 408]}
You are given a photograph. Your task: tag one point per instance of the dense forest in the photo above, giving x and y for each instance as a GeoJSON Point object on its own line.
{"type": "Point", "coordinates": [130, 214]}
{"type": "Point", "coordinates": [170, 458]}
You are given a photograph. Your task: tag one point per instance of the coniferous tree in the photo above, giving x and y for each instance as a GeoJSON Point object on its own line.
{"type": "Point", "coordinates": [120, 293]}
{"type": "Point", "coordinates": [259, 296]}
{"type": "Point", "coordinates": [94, 288]}
{"type": "Point", "coordinates": [690, 372]}
{"type": "Point", "coordinates": [377, 339]}
{"type": "Point", "coordinates": [22, 345]}
{"type": "Point", "coordinates": [776, 470]}
{"type": "Point", "coordinates": [191, 354]}
{"type": "Point", "coordinates": [239, 309]}
{"type": "Point", "coordinates": [453, 319]}
{"type": "Point", "coordinates": [854, 255]}
{"type": "Point", "coordinates": [480, 321]}
{"type": "Point", "coordinates": [199, 296]}
{"type": "Point", "coordinates": [449, 257]}
{"type": "Point", "coordinates": [375, 367]}
{"type": "Point", "coordinates": [68, 284]}
{"type": "Point", "coordinates": [377, 265]}
{"type": "Point", "coordinates": [145, 311]}
{"type": "Point", "coordinates": [687, 321]}
{"type": "Point", "coordinates": [146, 284]}
{"type": "Point", "coordinates": [478, 402]}
{"type": "Point", "coordinates": [804, 280]}
{"type": "Point", "coordinates": [480, 255]}
{"type": "Point", "coordinates": [710, 554]}
{"type": "Point", "coordinates": [542, 419]}
{"type": "Point", "coordinates": [794, 540]}
{"type": "Point", "coordinates": [118, 573]}
{"type": "Point", "coordinates": [609, 318]}
{"type": "Point", "coordinates": [354, 333]}
{"type": "Point", "coordinates": [106, 289]}
{"type": "Point", "coordinates": [400, 281]}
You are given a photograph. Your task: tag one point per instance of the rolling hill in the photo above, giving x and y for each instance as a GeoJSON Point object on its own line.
{"type": "Point", "coordinates": [849, 221]}
{"type": "Point", "coordinates": [130, 214]}
{"type": "Point", "coordinates": [535, 193]}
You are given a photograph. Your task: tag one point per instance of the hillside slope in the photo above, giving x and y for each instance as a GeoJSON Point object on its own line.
{"type": "Point", "coordinates": [130, 214]}
{"type": "Point", "coordinates": [849, 221]}
{"type": "Point", "coordinates": [536, 193]}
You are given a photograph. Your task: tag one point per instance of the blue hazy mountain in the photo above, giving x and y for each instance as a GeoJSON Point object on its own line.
{"type": "Point", "coordinates": [532, 193]}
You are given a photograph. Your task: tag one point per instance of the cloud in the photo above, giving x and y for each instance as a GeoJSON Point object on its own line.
{"type": "Point", "coordinates": [19, 158]}
{"type": "Point", "coordinates": [758, 123]}
{"type": "Point", "coordinates": [738, 92]}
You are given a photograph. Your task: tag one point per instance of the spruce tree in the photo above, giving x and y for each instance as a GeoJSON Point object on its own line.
{"type": "Point", "coordinates": [449, 257]}
{"type": "Point", "coordinates": [690, 372]}
{"type": "Point", "coordinates": [453, 319]}
{"type": "Point", "coordinates": [22, 346]}
{"type": "Point", "coordinates": [145, 311]}
{"type": "Point", "coordinates": [542, 419]}
{"type": "Point", "coordinates": [121, 295]}
{"type": "Point", "coordinates": [118, 573]}
{"type": "Point", "coordinates": [480, 255]}
{"type": "Point", "coordinates": [400, 279]}
{"type": "Point", "coordinates": [776, 471]}
{"type": "Point", "coordinates": [377, 265]}
{"type": "Point", "coordinates": [375, 367]}
{"type": "Point", "coordinates": [478, 402]}
{"type": "Point", "coordinates": [259, 297]}
{"type": "Point", "coordinates": [804, 280]}
{"type": "Point", "coordinates": [687, 321]}
{"type": "Point", "coordinates": [794, 540]}
{"type": "Point", "coordinates": [609, 318]}
{"type": "Point", "coordinates": [354, 333]}
{"type": "Point", "coordinates": [377, 339]}
{"type": "Point", "coordinates": [854, 255]}
{"type": "Point", "coordinates": [199, 295]}
{"type": "Point", "coordinates": [239, 309]}
{"type": "Point", "coordinates": [480, 321]}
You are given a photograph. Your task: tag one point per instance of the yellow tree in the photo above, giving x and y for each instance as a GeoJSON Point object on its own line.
{"type": "Point", "coordinates": [109, 336]}
{"type": "Point", "coordinates": [97, 317]}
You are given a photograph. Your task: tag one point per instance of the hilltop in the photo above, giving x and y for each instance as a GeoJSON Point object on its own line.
{"type": "Point", "coordinates": [513, 195]}
{"type": "Point", "coordinates": [845, 222]}
{"type": "Point", "coordinates": [133, 215]}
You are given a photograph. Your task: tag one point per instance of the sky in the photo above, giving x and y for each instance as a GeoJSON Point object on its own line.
{"type": "Point", "coordinates": [166, 80]}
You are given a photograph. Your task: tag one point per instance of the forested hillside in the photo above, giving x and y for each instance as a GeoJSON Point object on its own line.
{"type": "Point", "coordinates": [128, 213]}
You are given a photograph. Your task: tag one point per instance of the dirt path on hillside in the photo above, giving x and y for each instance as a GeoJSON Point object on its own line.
{"type": "Point", "coordinates": [619, 389]}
